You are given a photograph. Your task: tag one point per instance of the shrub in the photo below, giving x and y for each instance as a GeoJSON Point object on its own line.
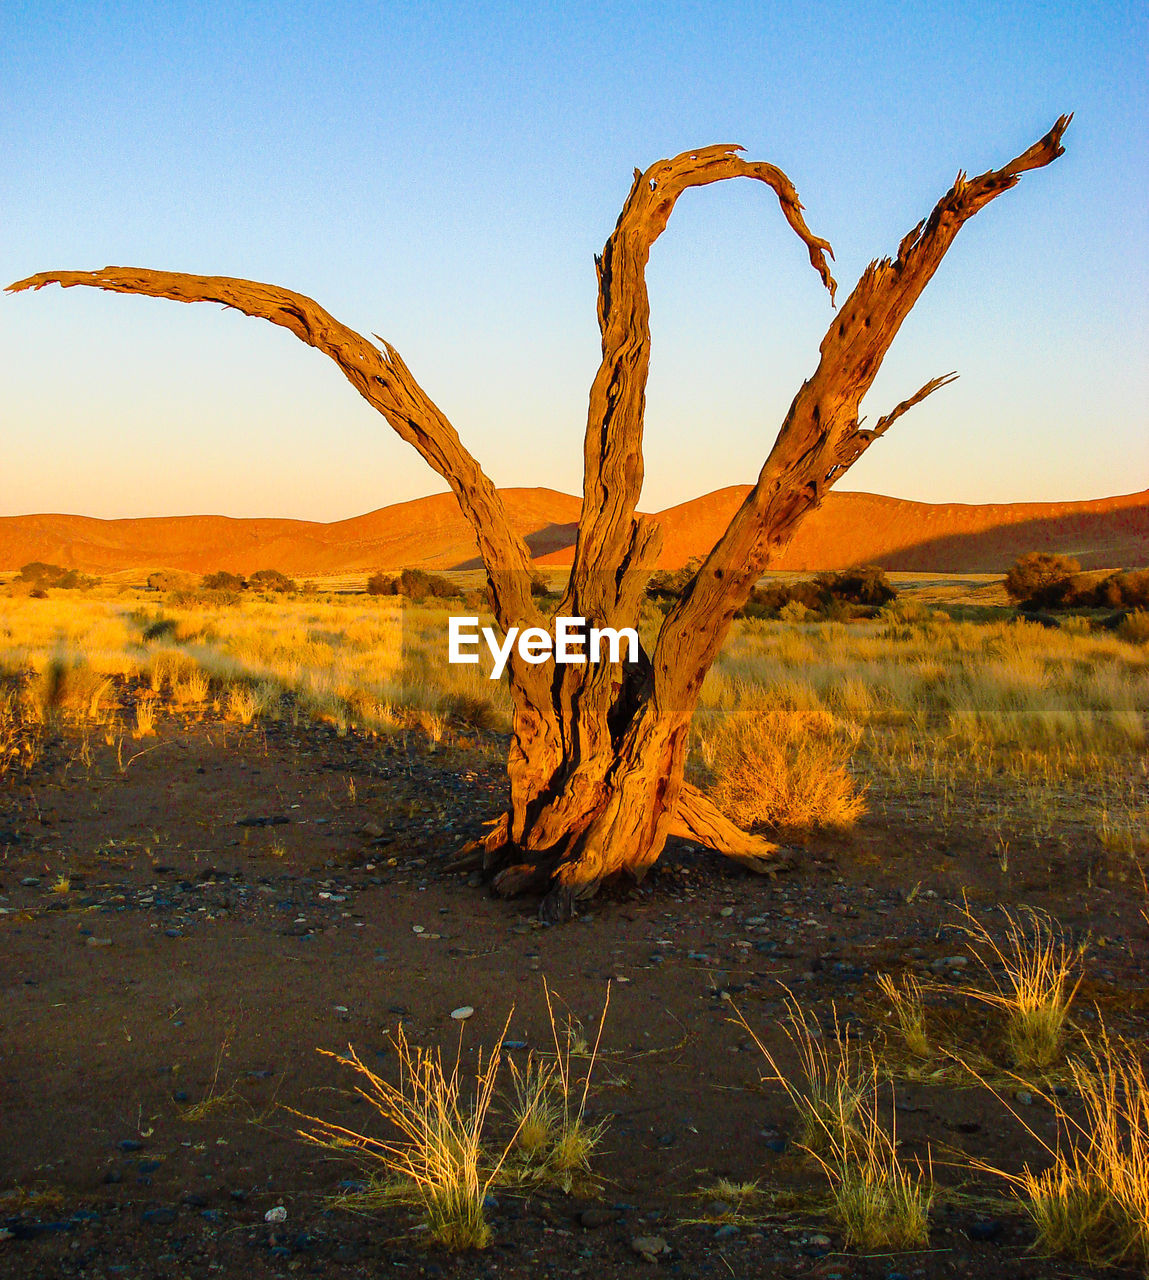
{"type": "Point", "coordinates": [418, 584]}
{"type": "Point", "coordinates": [1041, 579]}
{"type": "Point", "coordinates": [270, 580]}
{"type": "Point", "coordinates": [170, 580]}
{"type": "Point", "coordinates": [783, 767]}
{"type": "Point", "coordinates": [221, 580]}
{"type": "Point", "coordinates": [868, 585]}
{"type": "Point", "coordinates": [1120, 591]}
{"type": "Point", "coordinates": [1134, 627]}
{"type": "Point", "coordinates": [41, 576]}
{"type": "Point", "coordinates": [380, 584]}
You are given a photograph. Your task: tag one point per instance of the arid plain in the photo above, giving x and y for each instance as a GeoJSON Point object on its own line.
{"type": "Point", "coordinates": [227, 824]}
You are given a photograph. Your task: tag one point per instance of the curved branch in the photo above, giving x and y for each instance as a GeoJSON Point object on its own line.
{"type": "Point", "coordinates": [820, 431]}
{"type": "Point", "coordinates": [698, 818]}
{"type": "Point", "coordinates": [613, 446]}
{"type": "Point", "coordinates": [384, 381]}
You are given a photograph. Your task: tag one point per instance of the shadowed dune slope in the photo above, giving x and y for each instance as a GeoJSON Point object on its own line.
{"type": "Point", "coordinates": [430, 533]}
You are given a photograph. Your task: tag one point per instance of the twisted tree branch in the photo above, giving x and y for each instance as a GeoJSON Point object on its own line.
{"type": "Point", "coordinates": [820, 431]}
{"type": "Point", "coordinates": [384, 381]}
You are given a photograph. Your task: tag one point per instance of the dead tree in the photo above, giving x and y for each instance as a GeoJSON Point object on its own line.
{"type": "Point", "coordinates": [598, 751]}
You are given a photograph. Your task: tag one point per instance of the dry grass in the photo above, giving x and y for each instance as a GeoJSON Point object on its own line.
{"type": "Point", "coordinates": [438, 1154]}
{"type": "Point", "coordinates": [907, 1003]}
{"type": "Point", "coordinates": [574, 1138]}
{"type": "Point", "coordinates": [1092, 1203]}
{"type": "Point", "coordinates": [783, 767]}
{"type": "Point", "coordinates": [878, 1201]}
{"type": "Point", "coordinates": [831, 1085]}
{"type": "Point", "coordinates": [1034, 984]}
{"type": "Point", "coordinates": [217, 1100]}
{"type": "Point", "coordinates": [19, 733]}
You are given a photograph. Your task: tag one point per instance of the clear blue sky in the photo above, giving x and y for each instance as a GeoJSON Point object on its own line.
{"type": "Point", "coordinates": [441, 174]}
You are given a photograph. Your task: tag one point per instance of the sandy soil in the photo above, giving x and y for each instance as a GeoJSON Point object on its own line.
{"type": "Point", "coordinates": [239, 898]}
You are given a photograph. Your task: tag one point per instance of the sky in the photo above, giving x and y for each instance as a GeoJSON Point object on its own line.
{"type": "Point", "coordinates": [442, 175]}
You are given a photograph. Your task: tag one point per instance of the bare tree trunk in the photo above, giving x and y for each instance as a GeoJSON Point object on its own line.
{"type": "Point", "coordinates": [598, 752]}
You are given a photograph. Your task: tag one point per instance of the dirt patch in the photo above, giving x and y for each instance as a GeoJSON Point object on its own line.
{"type": "Point", "coordinates": [189, 925]}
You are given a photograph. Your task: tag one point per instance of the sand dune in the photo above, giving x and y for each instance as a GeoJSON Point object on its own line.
{"type": "Point", "coordinates": [430, 533]}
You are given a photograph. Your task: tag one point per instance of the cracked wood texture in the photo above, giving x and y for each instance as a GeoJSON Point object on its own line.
{"type": "Point", "coordinates": [597, 755]}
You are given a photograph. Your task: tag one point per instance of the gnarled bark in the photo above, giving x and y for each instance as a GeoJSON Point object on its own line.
{"type": "Point", "coordinates": [598, 753]}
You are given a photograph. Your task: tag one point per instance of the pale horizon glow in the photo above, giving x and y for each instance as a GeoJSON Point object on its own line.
{"type": "Point", "coordinates": [443, 175]}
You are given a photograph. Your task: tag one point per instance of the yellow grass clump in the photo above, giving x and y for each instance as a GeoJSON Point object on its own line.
{"type": "Point", "coordinates": [1092, 1202]}
{"type": "Point", "coordinates": [783, 767]}
{"type": "Point", "coordinates": [1034, 984]}
{"type": "Point", "coordinates": [438, 1151]}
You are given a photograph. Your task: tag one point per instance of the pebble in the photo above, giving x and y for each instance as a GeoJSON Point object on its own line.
{"type": "Point", "coordinates": [462, 1013]}
{"type": "Point", "coordinates": [159, 1217]}
{"type": "Point", "coordinates": [591, 1219]}
{"type": "Point", "coordinates": [278, 1214]}
{"type": "Point", "coordinates": [985, 1231]}
{"type": "Point", "coordinates": [1024, 1097]}
{"type": "Point", "coordinates": [649, 1247]}
{"type": "Point", "coordinates": [726, 912]}
{"type": "Point", "coordinates": [93, 941]}
{"type": "Point", "coordinates": [727, 1231]}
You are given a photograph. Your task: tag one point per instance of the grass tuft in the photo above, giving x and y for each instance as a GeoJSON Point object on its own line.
{"type": "Point", "coordinates": [1092, 1203]}
{"type": "Point", "coordinates": [1033, 975]}
{"type": "Point", "coordinates": [830, 1086]}
{"type": "Point", "coordinates": [907, 1004]}
{"type": "Point", "coordinates": [783, 767]}
{"type": "Point", "coordinates": [876, 1199]}
{"type": "Point", "coordinates": [438, 1153]}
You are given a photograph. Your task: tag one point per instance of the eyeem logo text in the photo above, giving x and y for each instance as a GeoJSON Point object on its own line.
{"type": "Point", "coordinates": [571, 643]}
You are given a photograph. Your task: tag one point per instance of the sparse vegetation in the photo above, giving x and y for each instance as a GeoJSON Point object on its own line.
{"type": "Point", "coordinates": [1092, 1202]}
{"type": "Point", "coordinates": [832, 1084]}
{"type": "Point", "coordinates": [1035, 974]}
{"type": "Point", "coordinates": [439, 1149]}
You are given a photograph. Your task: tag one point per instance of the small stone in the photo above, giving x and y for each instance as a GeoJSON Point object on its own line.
{"type": "Point", "coordinates": [726, 912]}
{"type": "Point", "coordinates": [649, 1247]}
{"type": "Point", "coordinates": [591, 1219]}
{"type": "Point", "coordinates": [985, 1231]}
{"type": "Point", "coordinates": [462, 1013]}
{"type": "Point", "coordinates": [418, 928]}
{"type": "Point", "coordinates": [819, 1241]}
{"type": "Point", "coordinates": [93, 941]}
{"type": "Point", "coordinates": [129, 1144]}
{"type": "Point", "coordinates": [159, 1217]}
{"type": "Point", "coordinates": [278, 1214]}
{"type": "Point", "coordinates": [727, 1231]}
{"type": "Point", "coordinates": [1024, 1097]}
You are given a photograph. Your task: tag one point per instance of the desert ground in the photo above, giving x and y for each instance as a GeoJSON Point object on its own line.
{"type": "Point", "coordinates": [225, 832]}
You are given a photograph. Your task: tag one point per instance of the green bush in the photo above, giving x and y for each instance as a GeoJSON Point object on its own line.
{"type": "Point", "coordinates": [868, 586]}
{"type": "Point", "coordinates": [170, 580]}
{"type": "Point", "coordinates": [1040, 579]}
{"type": "Point", "coordinates": [221, 580]}
{"type": "Point", "coordinates": [270, 580]}
{"type": "Point", "coordinates": [41, 576]}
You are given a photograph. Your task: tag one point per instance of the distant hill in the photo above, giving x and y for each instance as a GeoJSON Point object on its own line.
{"type": "Point", "coordinates": [430, 533]}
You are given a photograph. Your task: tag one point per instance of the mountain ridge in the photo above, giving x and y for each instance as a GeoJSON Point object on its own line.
{"type": "Point", "coordinates": [850, 528]}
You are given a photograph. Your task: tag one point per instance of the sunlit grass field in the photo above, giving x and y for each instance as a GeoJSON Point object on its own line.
{"type": "Point", "coordinates": [1021, 733]}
